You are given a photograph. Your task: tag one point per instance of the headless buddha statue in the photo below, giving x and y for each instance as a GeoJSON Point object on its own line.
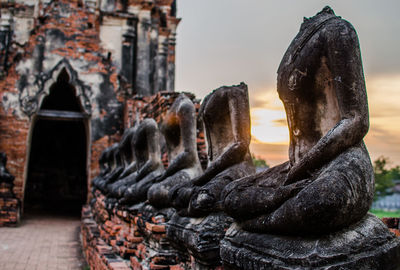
{"type": "Point", "coordinates": [179, 130]}
{"type": "Point", "coordinates": [146, 145]}
{"type": "Point", "coordinates": [226, 118]}
{"type": "Point", "coordinates": [6, 179]}
{"type": "Point", "coordinates": [104, 166]}
{"type": "Point", "coordinates": [115, 169]}
{"type": "Point", "coordinates": [328, 182]}
{"type": "Point", "coordinates": [128, 175]}
{"type": "Point", "coordinates": [5, 176]}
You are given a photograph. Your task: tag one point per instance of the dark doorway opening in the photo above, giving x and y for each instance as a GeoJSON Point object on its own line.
{"type": "Point", "coordinates": [57, 178]}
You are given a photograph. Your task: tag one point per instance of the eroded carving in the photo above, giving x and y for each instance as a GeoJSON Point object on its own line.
{"type": "Point", "coordinates": [148, 159]}
{"type": "Point", "coordinates": [115, 165]}
{"type": "Point", "coordinates": [6, 178]}
{"type": "Point", "coordinates": [105, 167]}
{"type": "Point", "coordinates": [179, 130]}
{"type": "Point", "coordinates": [128, 175]}
{"type": "Point", "coordinates": [226, 118]}
{"type": "Point", "coordinates": [328, 182]}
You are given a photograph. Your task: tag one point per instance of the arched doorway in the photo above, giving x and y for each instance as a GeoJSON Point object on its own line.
{"type": "Point", "coordinates": [57, 170]}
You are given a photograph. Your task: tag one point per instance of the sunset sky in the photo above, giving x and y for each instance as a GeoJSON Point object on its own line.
{"type": "Point", "coordinates": [225, 42]}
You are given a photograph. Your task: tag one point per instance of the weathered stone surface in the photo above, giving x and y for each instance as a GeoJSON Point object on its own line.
{"type": "Point", "coordinates": [129, 173]}
{"type": "Point", "coordinates": [5, 176]}
{"type": "Point", "coordinates": [179, 130]}
{"type": "Point", "coordinates": [148, 159]}
{"type": "Point", "coordinates": [151, 223]}
{"type": "Point", "coordinates": [328, 183]}
{"type": "Point", "coordinates": [200, 236]}
{"type": "Point", "coordinates": [104, 165]}
{"type": "Point", "coordinates": [115, 168]}
{"type": "Point", "coordinates": [97, 44]}
{"type": "Point", "coordinates": [228, 137]}
{"type": "Point", "coordinates": [365, 245]}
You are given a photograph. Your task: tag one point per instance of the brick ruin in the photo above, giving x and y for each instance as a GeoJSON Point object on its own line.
{"type": "Point", "coordinates": [82, 72]}
{"type": "Point", "coordinates": [68, 72]}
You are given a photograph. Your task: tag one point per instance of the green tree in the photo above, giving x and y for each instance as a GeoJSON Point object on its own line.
{"type": "Point", "coordinates": [259, 162]}
{"type": "Point", "coordinates": [395, 172]}
{"type": "Point", "coordinates": [384, 176]}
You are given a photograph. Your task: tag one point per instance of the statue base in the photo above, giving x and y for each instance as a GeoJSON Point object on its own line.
{"type": "Point", "coordinates": [200, 236]}
{"type": "Point", "coordinates": [367, 244]}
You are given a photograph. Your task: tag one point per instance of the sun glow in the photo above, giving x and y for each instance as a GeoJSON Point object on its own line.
{"type": "Point", "coordinates": [271, 136]}
{"type": "Point", "coordinates": [269, 126]}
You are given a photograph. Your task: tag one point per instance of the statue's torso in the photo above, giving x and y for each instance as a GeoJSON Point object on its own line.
{"type": "Point", "coordinates": [306, 88]}
{"type": "Point", "coordinates": [171, 129]}
{"type": "Point", "coordinates": [217, 125]}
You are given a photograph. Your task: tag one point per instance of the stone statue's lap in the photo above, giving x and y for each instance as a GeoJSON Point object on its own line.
{"type": "Point", "coordinates": [158, 193]}
{"type": "Point", "coordinates": [138, 191]}
{"type": "Point", "coordinates": [332, 198]}
{"type": "Point", "coordinates": [208, 196]}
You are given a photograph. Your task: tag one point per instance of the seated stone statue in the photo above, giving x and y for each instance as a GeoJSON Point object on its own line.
{"type": "Point", "coordinates": [146, 144]}
{"type": "Point", "coordinates": [328, 182]}
{"type": "Point", "coordinates": [5, 176]}
{"type": "Point", "coordinates": [116, 168]}
{"type": "Point", "coordinates": [179, 130]}
{"type": "Point", "coordinates": [128, 175]}
{"type": "Point", "coordinates": [104, 164]}
{"type": "Point", "coordinates": [226, 117]}
{"type": "Point", "coordinates": [6, 179]}
{"type": "Point", "coordinates": [126, 149]}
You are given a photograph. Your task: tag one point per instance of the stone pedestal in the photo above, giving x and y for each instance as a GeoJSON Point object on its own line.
{"type": "Point", "coordinates": [367, 244]}
{"type": "Point", "coordinates": [200, 237]}
{"type": "Point", "coordinates": [158, 251]}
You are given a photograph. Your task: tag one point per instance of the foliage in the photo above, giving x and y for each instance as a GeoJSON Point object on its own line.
{"type": "Point", "coordinates": [384, 176]}
{"type": "Point", "coordinates": [259, 162]}
{"type": "Point", "coordinates": [381, 213]}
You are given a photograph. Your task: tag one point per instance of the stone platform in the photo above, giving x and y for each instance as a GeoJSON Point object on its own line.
{"type": "Point", "coordinates": [367, 244]}
{"type": "Point", "coordinates": [10, 212]}
{"type": "Point", "coordinates": [200, 237]}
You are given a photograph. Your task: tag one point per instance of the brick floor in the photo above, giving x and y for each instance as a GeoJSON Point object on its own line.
{"type": "Point", "coordinates": [40, 243]}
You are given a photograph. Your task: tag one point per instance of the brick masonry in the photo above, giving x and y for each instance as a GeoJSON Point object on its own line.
{"type": "Point", "coordinates": [9, 213]}
{"type": "Point", "coordinates": [97, 44]}
{"type": "Point", "coordinates": [132, 237]}
{"type": "Point", "coordinates": [135, 238]}
{"type": "Point", "coordinates": [131, 241]}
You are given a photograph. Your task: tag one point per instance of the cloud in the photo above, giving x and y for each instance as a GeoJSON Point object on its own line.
{"type": "Point", "coordinates": [274, 154]}
{"type": "Point", "coordinates": [265, 97]}
{"type": "Point", "coordinates": [269, 125]}
{"type": "Point", "coordinates": [280, 122]}
{"type": "Point", "coordinates": [219, 49]}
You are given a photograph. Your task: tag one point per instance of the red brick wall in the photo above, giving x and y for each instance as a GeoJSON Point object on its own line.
{"type": "Point", "coordinates": [14, 126]}
{"type": "Point", "coordinates": [13, 140]}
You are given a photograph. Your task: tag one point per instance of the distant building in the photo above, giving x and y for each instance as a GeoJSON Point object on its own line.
{"type": "Point", "coordinates": [67, 70]}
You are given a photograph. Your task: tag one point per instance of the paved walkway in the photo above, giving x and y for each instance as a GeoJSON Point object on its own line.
{"type": "Point", "coordinates": [41, 243]}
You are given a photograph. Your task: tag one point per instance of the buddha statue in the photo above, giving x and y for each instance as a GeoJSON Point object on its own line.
{"type": "Point", "coordinates": [146, 145]}
{"type": "Point", "coordinates": [6, 178]}
{"type": "Point", "coordinates": [179, 130]}
{"type": "Point", "coordinates": [128, 175]}
{"type": "Point", "coordinates": [226, 118]}
{"type": "Point", "coordinates": [328, 182]}
{"type": "Point", "coordinates": [104, 165]}
{"type": "Point", "coordinates": [115, 166]}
